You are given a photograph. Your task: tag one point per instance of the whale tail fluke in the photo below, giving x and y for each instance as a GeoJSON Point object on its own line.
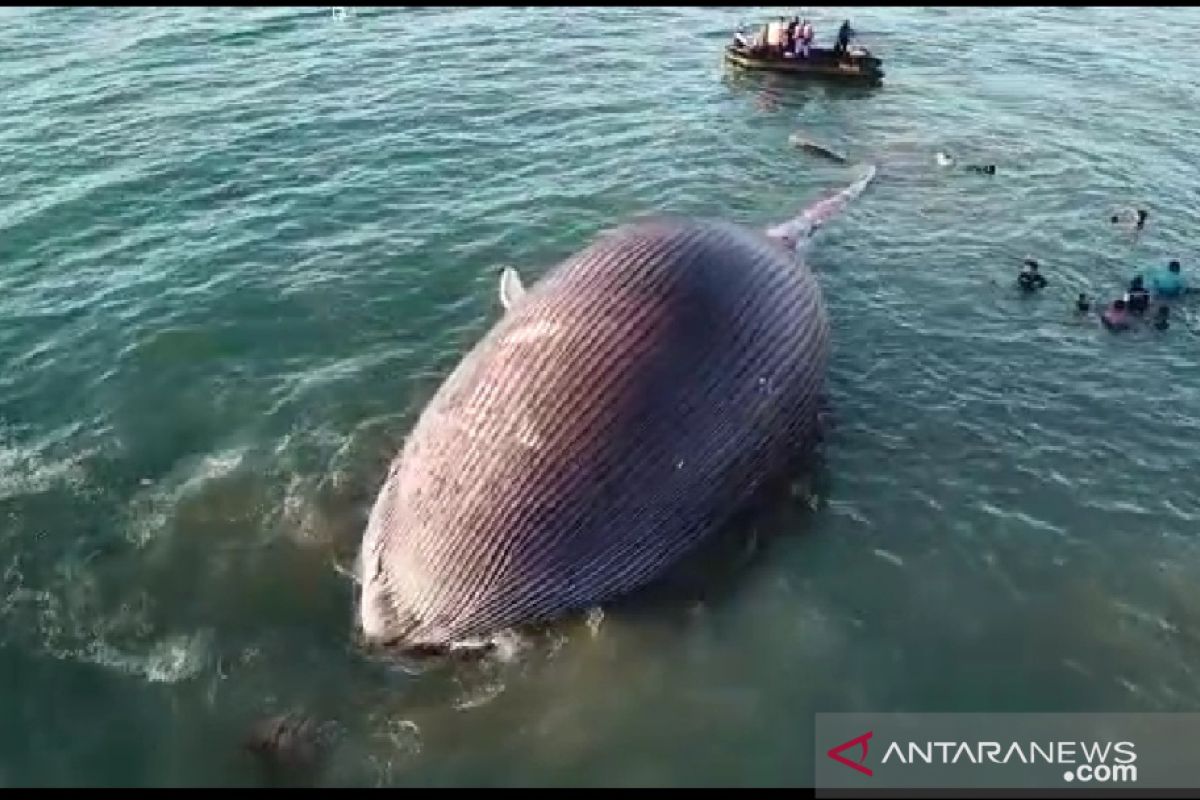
{"type": "Point", "coordinates": [798, 231]}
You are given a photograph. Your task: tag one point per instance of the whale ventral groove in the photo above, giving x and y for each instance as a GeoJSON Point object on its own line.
{"type": "Point", "coordinates": [616, 415]}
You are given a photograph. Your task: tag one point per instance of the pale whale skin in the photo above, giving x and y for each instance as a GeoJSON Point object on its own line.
{"type": "Point", "coordinates": [618, 414]}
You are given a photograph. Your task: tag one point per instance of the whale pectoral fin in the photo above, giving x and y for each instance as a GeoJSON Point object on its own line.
{"type": "Point", "coordinates": [511, 288]}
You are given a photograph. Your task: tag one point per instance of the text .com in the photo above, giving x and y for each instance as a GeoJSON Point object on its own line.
{"type": "Point", "coordinates": [1102, 773]}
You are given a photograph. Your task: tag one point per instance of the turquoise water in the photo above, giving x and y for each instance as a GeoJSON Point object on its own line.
{"type": "Point", "coordinates": [239, 249]}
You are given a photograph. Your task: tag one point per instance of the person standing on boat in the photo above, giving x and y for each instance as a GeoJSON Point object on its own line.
{"type": "Point", "coordinates": [806, 38]}
{"type": "Point", "coordinates": [790, 40]}
{"type": "Point", "coordinates": [845, 34]}
{"type": "Point", "coordinates": [775, 32]}
{"type": "Point", "coordinates": [759, 44]}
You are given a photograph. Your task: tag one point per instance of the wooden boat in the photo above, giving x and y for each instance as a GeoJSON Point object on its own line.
{"type": "Point", "coordinates": [856, 65]}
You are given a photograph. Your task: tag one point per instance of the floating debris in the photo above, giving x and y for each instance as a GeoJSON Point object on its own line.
{"type": "Point", "coordinates": [887, 556]}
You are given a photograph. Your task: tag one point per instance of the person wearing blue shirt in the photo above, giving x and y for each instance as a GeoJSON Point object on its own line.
{"type": "Point", "coordinates": [1170, 283]}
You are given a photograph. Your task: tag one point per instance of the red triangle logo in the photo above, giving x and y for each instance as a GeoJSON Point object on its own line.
{"type": "Point", "coordinates": [857, 741]}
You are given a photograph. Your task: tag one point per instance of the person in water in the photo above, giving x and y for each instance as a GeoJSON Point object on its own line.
{"type": "Point", "coordinates": [1161, 318]}
{"type": "Point", "coordinates": [1170, 283]}
{"type": "Point", "coordinates": [1116, 317]}
{"type": "Point", "coordinates": [1082, 305]}
{"type": "Point", "coordinates": [1137, 299]}
{"type": "Point", "coordinates": [1139, 218]}
{"type": "Point", "coordinates": [944, 159]}
{"type": "Point", "coordinates": [1030, 280]}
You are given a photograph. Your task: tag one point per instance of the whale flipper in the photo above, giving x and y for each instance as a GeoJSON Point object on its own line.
{"type": "Point", "coordinates": [511, 288]}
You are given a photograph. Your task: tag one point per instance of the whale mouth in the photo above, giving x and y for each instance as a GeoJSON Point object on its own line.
{"type": "Point", "coordinates": [395, 641]}
{"type": "Point", "coordinates": [423, 657]}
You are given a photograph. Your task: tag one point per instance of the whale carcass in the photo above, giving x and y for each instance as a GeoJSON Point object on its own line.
{"type": "Point", "coordinates": [620, 410]}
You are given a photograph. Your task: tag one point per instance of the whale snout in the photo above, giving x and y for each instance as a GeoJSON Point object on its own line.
{"type": "Point", "coordinates": [374, 617]}
{"type": "Point", "coordinates": [378, 623]}
{"type": "Point", "coordinates": [383, 628]}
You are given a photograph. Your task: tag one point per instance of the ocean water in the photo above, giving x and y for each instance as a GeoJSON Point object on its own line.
{"type": "Point", "coordinates": [239, 248]}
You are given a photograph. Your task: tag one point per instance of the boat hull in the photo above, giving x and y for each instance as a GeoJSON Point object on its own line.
{"type": "Point", "coordinates": [820, 65]}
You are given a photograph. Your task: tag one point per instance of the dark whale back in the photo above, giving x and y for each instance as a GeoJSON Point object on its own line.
{"type": "Point", "coordinates": [614, 417]}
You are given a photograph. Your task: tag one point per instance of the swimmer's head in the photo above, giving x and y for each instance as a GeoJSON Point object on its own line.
{"type": "Point", "coordinates": [1173, 266]}
{"type": "Point", "coordinates": [1164, 312]}
{"type": "Point", "coordinates": [1115, 219]}
{"type": "Point", "coordinates": [1119, 305]}
{"type": "Point", "coordinates": [1031, 265]}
